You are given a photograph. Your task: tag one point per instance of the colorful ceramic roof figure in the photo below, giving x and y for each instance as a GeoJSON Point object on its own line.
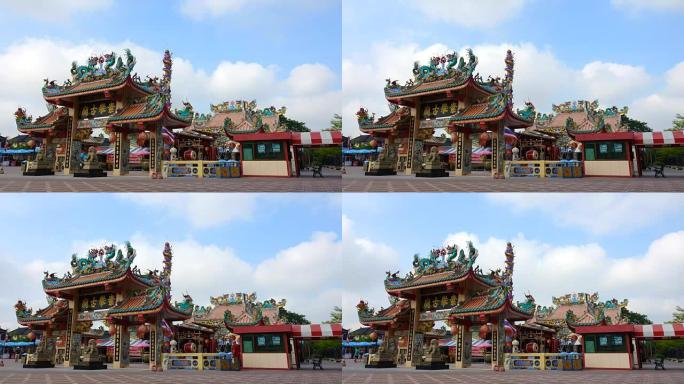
{"type": "Point", "coordinates": [579, 117]}
{"type": "Point", "coordinates": [434, 280]}
{"type": "Point", "coordinates": [105, 73]}
{"type": "Point", "coordinates": [469, 99]}
{"type": "Point", "coordinates": [106, 265]}
{"type": "Point", "coordinates": [237, 309]}
{"type": "Point", "coordinates": [579, 309]}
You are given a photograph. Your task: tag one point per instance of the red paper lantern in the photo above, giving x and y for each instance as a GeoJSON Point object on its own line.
{"type": "Point", "coordinates": [483, 319]}
{"type": "Point", "coordinates": [112, 329]}
{"type": "Point", "coordinates": [484, 138]}
{"type": "Point", "coordinates": [31, 143]}
{"type": "Point", "coordinates": [31, 336]}
{"type": "Point", "coordinates": [112, 137]}
{"type": "Point", "coordinates": [509, 331]}
{"type": "Point", "coordinates": [484, 331]}
{"type": "Point", "coordinates": [142, 138]}
{"type": "Point", "coordinates": [374, 143]}
{"type": "Point", "coordinates": [374, 336]}
{"type": "Point", "coordinates": [142, 330]}
{"type": "Point", "coordinates": [455, 329]}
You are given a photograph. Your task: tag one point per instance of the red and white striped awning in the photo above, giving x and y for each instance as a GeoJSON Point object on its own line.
{"type": "Point", "coordinates": [317, 330]}
{"type": "Point", "coordinates": [659, 330]}
{"type": "Point", "coordinates": [313, 139]}
{"type": "Point", "coordinates": [650, 139]}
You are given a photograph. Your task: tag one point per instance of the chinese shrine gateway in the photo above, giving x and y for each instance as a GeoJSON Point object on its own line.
{"type": "Point", "coordinates": [104, 94]}
{"type": "Point", "coordinates": [445, 286]}
{"type": "Point", "coordinates": [445, 94]}
{"type": "Point", "coordinates": [104, 286]}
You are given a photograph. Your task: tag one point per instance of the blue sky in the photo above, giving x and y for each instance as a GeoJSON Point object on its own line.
{"type": "Point", "coordinates": [622, 52]}
{"type": "Point", "coordinates": [620, 245]}
{"type": "Point", "coordinates": [263, 243]}
{"type": "Point", "coordinates": [278, 53]}
{"type": "Point", "coordinates": [286, 34]}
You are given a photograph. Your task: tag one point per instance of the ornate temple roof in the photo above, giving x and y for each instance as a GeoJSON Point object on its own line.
{"type": "Point", "coordinates": [579, 309]}
{"type": "Point", "coordinates": [154, 108]}
{"type": "Point", "coordinates": [232, 118]}
{"type": "Point", "coordinates": [237, 309]}
{"type": "Point", "coordinates": [101, 266]}
{"type": "Point", "coordinates": [55, 118]}
{"type": "Point", "coordinates": [576, 117]}
{"type": "Point", "coordinates": [55, 310]}
{"type": "Point", "coordinates": [154, 300]}
{"type": "Point", "coordinates": [443, 73]}
{"type": "Point", "coordinates": [101, 73]}
{"type": "Point", "coordinates": [491, 294]}
{"type": "Point", "coordinates": [397, 309]}
{"type": "Point", "coordinates": [442, 266]}
{"type": "Point", "coordinates": [397, 116]}
{"type": "Point", "coordinates": [492, 99]}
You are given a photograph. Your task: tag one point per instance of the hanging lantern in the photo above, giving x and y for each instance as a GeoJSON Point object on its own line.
{"type": "Point", "coordinates": [112, 329]}
{"type": "Point", "coordinates": [374, 143]}
{"type": "Point", "coordinates": [509, 331]}
{"type": "Point", "coordinates": [31, 336]}
{"type": "Point", "coordinates": [112, 137]}
{"type": "Point", "coordinates": [455, 330]}
{"type": "Point", "coordinates": [142, 138]}
{"type": "Point", "coordinates": [484, 331]}
{"type": "Point", "coordinates": [483, 319]}
{"type": "Point", "coordinates": [374, 336]}
{"type": "Point", "coordinates": [485, 137]}
{"type": "Point", "coordinates": [141, 331]}
{"type": "Point", "coordinates": [31, 143]}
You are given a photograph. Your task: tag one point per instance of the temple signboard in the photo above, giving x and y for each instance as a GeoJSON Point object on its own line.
{"type": "Point", "coordinates": [436, 110]}
{"type": "Point", "coordinates": [96, 302]}
{"type": "Point", "coordinates": [440, 315]}
{"type": "Point", "coordinates": [437, 302]}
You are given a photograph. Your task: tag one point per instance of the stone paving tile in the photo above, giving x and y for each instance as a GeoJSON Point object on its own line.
{"type": "Point", "coordinates": [482, 376]}
{"type": "Point", "coordinates": [13, 181]}
{"type": "Point", "coordinates": [140, 376]}
{"type": "Point", "coordinates": [355, 181]}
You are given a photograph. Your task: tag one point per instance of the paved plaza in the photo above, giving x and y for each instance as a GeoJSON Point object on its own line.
{"type": "Point", "coordinates": [14, 181]}
{"type": "Point", "coordinates": [355, 181]}
{"type": "Point", "coordinates": [355, 374]}
{"type": "Point", "coordinates": [13, 374]}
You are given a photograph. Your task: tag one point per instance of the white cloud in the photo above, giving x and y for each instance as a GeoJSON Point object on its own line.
{"type": "Point", "coordinates": [660, 108]}
{"type": "Point", "coordinates": [469, 13]}
{"type": "Point", "coordinates": [364, 264]}
{"type": "Point", "coordinates": [312, 99]}
{"type": "Point", "coordinates": [201, 210]}
{"type": "Point", "coordinates": [634, 6]}
{"type": "Point", "coordinates": [593, 215]}
{"type": "Point", "coordinates": [539, 77]}
{"type": "Point", "coordinates": [199, 10]}
{"type": "Point", "coordinates": [304, 274]}
{"type": "Point", "coordinates": [54, 10]}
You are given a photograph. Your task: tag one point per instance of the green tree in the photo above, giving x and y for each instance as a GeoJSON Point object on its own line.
{"type": "Point", "coordinates": [294, 125]}
{"type": "Point", "coordinates": [677, 316]}
{"type": "Point", "coordinates": [335, 123]}
{"type": "Point", "coordinates": [335, 315]}
{"type": "Point", "coordinates": [635, 125]}
{"type": "Point", "coordinates": [634, 317]}
{"type": "Point", "coordinates": [292, 317]}
{"type": "Point", "coordinates": [677, 123]}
